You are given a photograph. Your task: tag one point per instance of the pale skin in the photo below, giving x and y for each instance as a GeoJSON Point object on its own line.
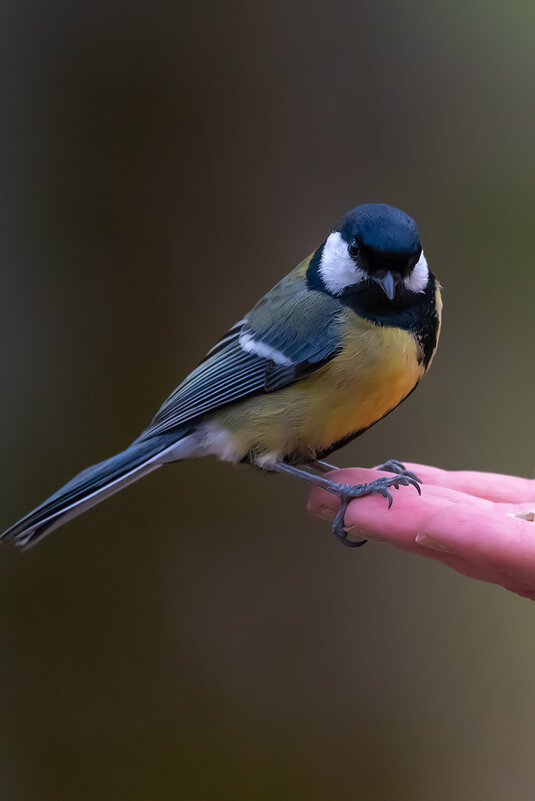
{"type": "Point", "coordinates": [480, 524]}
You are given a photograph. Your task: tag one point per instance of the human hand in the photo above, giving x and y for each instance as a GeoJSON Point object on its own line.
{"type": "Point", "coordinates": [480, 524]}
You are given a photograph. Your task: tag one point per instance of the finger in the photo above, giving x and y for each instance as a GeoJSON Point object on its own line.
{"type": "Point", "coordinates": [487, 538]}
{"type": "Point", "coordinates": [473, 529]}
{"type": "Point", "coordinates": [469, 534]}
{"type": "Point", "coordinates": [492, 486]}
{"type": "Point", "coordinates": [370, 518]}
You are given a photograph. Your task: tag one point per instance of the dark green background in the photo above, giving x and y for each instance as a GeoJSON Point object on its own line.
{"type": "Point", "coordinates": [200, 637]}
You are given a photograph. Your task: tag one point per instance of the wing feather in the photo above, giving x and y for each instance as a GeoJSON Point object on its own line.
{"type": "Point", "coordinates": [301, 331]}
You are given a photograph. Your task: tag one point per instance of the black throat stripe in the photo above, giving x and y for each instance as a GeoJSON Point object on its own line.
{"type": "Point", "coordinates": [410, 311]}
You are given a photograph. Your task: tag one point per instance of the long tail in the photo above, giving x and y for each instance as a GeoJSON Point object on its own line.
{"type": "Point", "coordinates": [93, 485]}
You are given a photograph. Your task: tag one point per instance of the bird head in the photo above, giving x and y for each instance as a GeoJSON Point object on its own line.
{"type": "Point", "coordinates": [377, 248]}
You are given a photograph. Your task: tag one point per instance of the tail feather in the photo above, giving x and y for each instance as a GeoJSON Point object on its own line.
{"type": "Point", "coordinates": [90, 487]}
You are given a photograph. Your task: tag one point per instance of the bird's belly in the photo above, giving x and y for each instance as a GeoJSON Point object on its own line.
{"type": "Point", "coordinates": [377, 368]}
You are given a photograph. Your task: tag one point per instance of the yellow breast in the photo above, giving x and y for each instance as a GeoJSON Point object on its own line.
{"type": "Point", "coordinates": [377, 368]}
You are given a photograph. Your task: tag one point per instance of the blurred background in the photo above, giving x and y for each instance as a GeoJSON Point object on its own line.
{"type": "Point", "coordinates": [162, 164]}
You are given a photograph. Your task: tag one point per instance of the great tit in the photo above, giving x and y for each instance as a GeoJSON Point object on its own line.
{"type": "Point", "coordinates": [334, 347]}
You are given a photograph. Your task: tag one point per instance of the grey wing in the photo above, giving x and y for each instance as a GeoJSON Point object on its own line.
{"type": "Point", "coordinates": [260, 354]}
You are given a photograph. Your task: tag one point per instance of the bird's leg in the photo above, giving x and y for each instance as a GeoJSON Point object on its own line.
{"type": "Point", "coordinates": [393, 466]}
{"type": "Point", "coordinates": [323, 467]}
{"type": "Point", "coordinates": [348, 492]}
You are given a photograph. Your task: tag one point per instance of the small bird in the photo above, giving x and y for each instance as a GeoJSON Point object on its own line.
{"type": "Point", "coordinates": [334, 347]}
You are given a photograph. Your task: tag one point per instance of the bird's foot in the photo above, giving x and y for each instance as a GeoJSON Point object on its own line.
{"type": "Point", "coordinates": [348, 492]}
{"type": "Point", "coordinates": [393, 466]}
{"type": "Point", "coordinates": [381, 486]}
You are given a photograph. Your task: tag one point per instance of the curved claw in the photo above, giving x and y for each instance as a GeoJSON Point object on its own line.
{"type": "Point", "coordinates": [338, 526]}
{"type": "Point", "coordinates": [394, 466]}
{"type": "Point", "coordinates": [381, 486]}
{"type": "Point", "coordinates": [406, 481]}
{"type": "Point", "coordinates": [352, 543]}
{"type": "Point", "coordinates": [384, 493]}
{"type": "Point", "coordinates": [412, 475]}
{"type": "Point", "coordinates": [395, 463]}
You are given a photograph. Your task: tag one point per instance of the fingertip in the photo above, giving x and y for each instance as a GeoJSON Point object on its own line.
{"type": "Point", "coordinates": [322, 504]}
{"type": "Point", "coordinates": [321, 498]}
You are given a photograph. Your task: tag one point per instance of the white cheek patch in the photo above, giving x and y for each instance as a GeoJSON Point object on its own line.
{"type": "Point", "coordinates": [337, 269]}
{"type": "Point", "coordinates": [251, 345]}
{"type": "Point", "coordinates": [419, 277]}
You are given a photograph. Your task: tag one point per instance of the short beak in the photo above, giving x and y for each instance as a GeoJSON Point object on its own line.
{"type": "Point", "coordinates": [386, 282]}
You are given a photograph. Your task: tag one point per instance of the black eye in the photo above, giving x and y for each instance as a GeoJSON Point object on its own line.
{"type": "Point", "coordinates": [354, 249]}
